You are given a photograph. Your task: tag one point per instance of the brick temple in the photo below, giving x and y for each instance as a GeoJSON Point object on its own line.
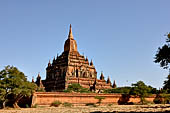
{"type": "Point", "coordinates": [72, 67]}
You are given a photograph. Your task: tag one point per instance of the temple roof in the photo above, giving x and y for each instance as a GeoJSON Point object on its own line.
{"type": "Point", "coordinates": [70, 44]}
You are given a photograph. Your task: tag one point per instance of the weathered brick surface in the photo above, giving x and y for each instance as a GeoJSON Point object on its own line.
{"type": "Point", "coordinates": [72, 67]}
{"type": "Point", "coordinates": [46, 98]}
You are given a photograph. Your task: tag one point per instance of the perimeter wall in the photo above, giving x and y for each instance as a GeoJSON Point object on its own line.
{"type": "Point", "coordinates": [46, 98]}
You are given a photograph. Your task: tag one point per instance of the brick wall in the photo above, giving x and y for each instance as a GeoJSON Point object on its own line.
{"type": "Point", "coordinates": [46, 98]}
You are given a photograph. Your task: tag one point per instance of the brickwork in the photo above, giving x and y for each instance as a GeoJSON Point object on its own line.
{"type": "Point", "coordinates": [71, 67]}
{"type": "Point", "coordinates": [46, 98]}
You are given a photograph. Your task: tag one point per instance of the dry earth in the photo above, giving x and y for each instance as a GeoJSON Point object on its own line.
{"type": "Point", "coordinates": [90, 109]}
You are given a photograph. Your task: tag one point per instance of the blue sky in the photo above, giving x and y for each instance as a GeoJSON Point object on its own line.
{"type": "Point", "coordinates": [120, 36]}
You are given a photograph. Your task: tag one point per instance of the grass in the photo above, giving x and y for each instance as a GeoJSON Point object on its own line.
{"type": "Point", "coordinates": [56, 103]}
{"type": "Point", "coordinates": [67, 104]}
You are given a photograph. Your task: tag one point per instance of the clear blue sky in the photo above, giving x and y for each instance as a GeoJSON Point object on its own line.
{"type": "Point", "coordinates": [120, 36]}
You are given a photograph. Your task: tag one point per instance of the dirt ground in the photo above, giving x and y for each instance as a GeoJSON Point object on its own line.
{"type": "Point", "coordinates": [91, 109]}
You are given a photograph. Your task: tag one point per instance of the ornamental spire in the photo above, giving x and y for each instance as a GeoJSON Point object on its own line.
{"type": "Point", "coordinates": [114, 84]}
{"type": "Point", "coordinates": [70, 35]}
{"type": "Point", "coordinates": [108, 80]}
{"type": "Point", "coordinates": [49, 64]}
{"type": "Point", "coordinates": [91, 63]}
{"type": "Point", "coordinates": [102, 76]}
{"type": "Point", "coordinates": [32, 79]}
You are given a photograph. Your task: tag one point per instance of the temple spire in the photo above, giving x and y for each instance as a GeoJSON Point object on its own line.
{"type": "Point", "coordinates": [49, 64]}
{"type": "Point", "coordinates": [114, 84]}
{"type": "Point", "coordinates": [102, 76]}
{"type": "Point", "coordinates": [108, 80]}
{"type": "Point", "coordinates": [70, 36]}
{"type": "Point", "coordinates": [38, 75]}
{"type": "Point", "coordinates": [32, 79]}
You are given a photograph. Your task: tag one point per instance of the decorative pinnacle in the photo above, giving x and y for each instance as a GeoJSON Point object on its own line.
{"type": "Point", "coordinates": [70, 36]}
{"type": "Point", "coordinates": [32, 79]}
{"type": "Point", "coordinates": [38, 74]}
{"type": "Point", "coordinates": [108, 80]}
{"type": "Point", "coordinates": [49, 63]}
{"type": "Point", "coordinates": [91, 63]}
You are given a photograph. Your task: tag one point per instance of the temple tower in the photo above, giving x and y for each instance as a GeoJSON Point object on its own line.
{"type": "Point", "coordinates": [71, 67]}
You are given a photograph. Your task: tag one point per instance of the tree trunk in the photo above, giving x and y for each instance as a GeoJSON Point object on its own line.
{"type": "Point", "coordinates": [3, 104]}
{"type": "Point", "coordinates": [15, 105]}
{"type": "Point", "coordinates": [142, 100]}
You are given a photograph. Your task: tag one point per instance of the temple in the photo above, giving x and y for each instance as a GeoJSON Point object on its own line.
{"type": "Point", "coordinates": [71, 67]}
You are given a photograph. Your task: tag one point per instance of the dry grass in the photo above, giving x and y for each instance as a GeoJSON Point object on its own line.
{"type": "Point", "coordinates": [90, 109]}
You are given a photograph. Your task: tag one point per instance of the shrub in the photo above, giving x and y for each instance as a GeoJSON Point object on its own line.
{"type": "Point", "coordinates": [99, 99]}
{"type": "Point", "coordinates": [76, 88]}
{"type": "Point", "coordinates": [40, 89]}
{"type": "Point", "coordinates": [122, 90]}
{"type": "Point", "coordinates": [27, 106]}
{"type": "Point", "coordinates": [67, 104]}
{"type": "Point", "coordinates": [84, 90]}
{"type": "Point", "coordinates": [35, 106]}
{"type": "Point", "coordinates": [162, 99]}
{"type": "Point", "coordinates": [91, 104]}
{"type": "Point", "coordinates": [56, 103]}
{"type": "Point", "coordinates": [110, 104]}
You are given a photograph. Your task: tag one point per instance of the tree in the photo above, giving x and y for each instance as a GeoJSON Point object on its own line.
{"type": "Point", "coordinates": [122, 90]}
{"type": "Point", "coordinates": [166, 86]}
{"type": "Point", "coordinates": [13, 83]}
{"type": "Point", "coordinates": [163, 54]}
{"type": "Point", "coordinates": [76, 88]}
{"type": "Point", "coordinates": [141, 90]}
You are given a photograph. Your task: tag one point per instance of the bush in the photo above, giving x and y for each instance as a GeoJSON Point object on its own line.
{"type": "Point", "coordinates": [91, 104]}
{"type": "Point", "coordinates": [110, 104]}
{"type": "Point", "coordinates": [162, 99]}
{"type": "Point", "coordinates": [56, 103]}
{"type": "Point", "coordinates": [122, 90]}
{"type": "Point", "coordinates": [76, 88]}
{"type": "Point", "coordinates": [99, 99]}
{"type": "Point", "coordinates": [40, 89]}
{"type": "Point", "coordinates": [84, 90]}
{"type": "Point", "coordinates": [27, 106]}
{"type": "Point", "coordinates": [67, 104]}
{"type": "Point", "coordinates": [35, 106]}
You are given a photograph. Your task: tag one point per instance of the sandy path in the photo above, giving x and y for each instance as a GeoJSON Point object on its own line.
{"type": "Point", "coordinates": [88, 109]}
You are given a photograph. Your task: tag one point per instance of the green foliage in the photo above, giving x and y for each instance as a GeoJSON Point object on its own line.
{"type": "Point", "coordinates": [84, 90]}
{"type": "Point", "coordinates": [166, 86]}
{"type": "Point", "coordinates": [76, 88]}
{"type": "Point", "coordinates": [162, 99]}
{"type": "Point", "coordinates": [13, 82]}
{"type": "Point", "coordinates": [40, 89]}
{"type": "Point", "coordinates": [56, 103]}
{"type": "Point", "coordinates": [152, 90]}
{"type": "Point", "coordinates": [141, 90]}
{"type": "Point", "coordinates": [35, 106]}
{"type": "Point", "coordinates": [110, 104]}
{"type": "Point", "coordinates": [166, 98]}
{"type": "Point", "coordinates": [27, 106]}
{"type": "Point", "coordinates": [122, 90]}
{"type": "Point", "coordinates": [67, 104]}
{"type": "Point", "coordinates": [158, 100]}
{"type": "Point", "coordinates": [99, 99]}
{"type": "Point", "coordinates": [163, 54]}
